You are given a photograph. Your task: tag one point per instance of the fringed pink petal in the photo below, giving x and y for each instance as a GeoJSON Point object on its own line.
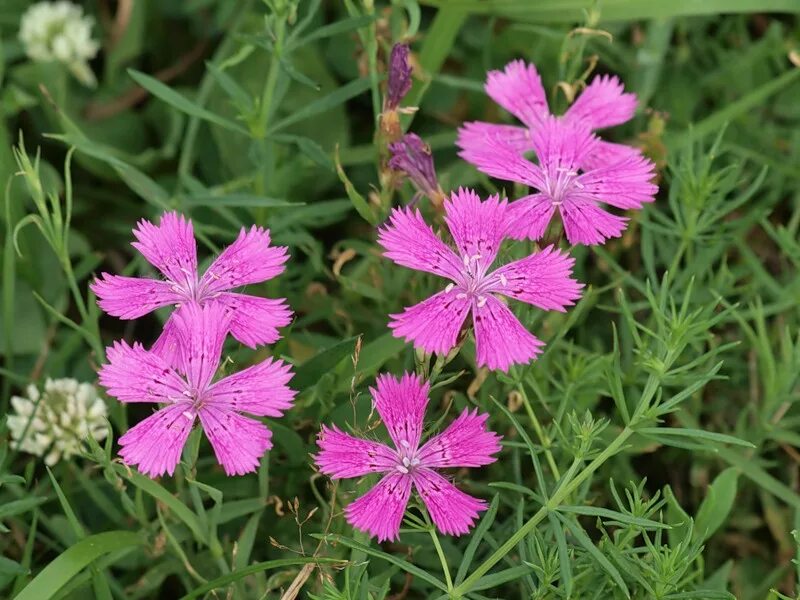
{"type": "Point", "coordinates": [238, 442]}
{"type": "Point", "coordinates": [255, 320]}
{"type": "Point", "coordinates": [465, 443]}
{"type": "Point", "coordinates": [473, 135]}
{"type": "Point", "coordinates": [167, 346]}
{"type": "Point", "coordinates": [343, 456]}
{"type": "Point", "coordinates": [169, 246]}
{"type": "Point", "coordinates": [401, 404]}
{"type": "Point", "coordinates": [380, 511]}
{"type": "Point", "coordinates": [201, 331]}
{"type": "Point", "coordinates": [518, 89]}
{"type": "Point", "coordinates": [410, 242]}
{"type": "Point", "coordinates": [627, 184]}
{"type": "Point", "coordinates": [133, 374]}
{"type": "Point", "coordinates": [433, 324]}
{"type": "Point", "coordinates": [451, 510]}
{"type": "Point", "coordinates": [477, 227]}
{"type": "Point", "coordinates": [586, 223]}
{"type": "Point", "coordinates": [259, 390]}
{"type": "Point", "coordinates": [249, 259]}
{"type": "Point", "coordinates": [497, 158]}
{"type": "Point", "coordinates": [132, 297]}
{"type": "Point", "coordinates": [608, 153]}
{"type": "Point", "coordinates": [542, 279]}
{"type": "Point", "coordinates": [529, 217]}
{"type": "Point", "coordinates": [562, 146]}
{"type": "Point", "coordinates": [155, 444]}
{"type": "Point", "coordinates": [500, 339]}
{"type": "Point", "coordinates": [603, 103]}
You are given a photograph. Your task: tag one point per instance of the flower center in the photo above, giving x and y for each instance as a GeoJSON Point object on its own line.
{"type": "Point", "coordinates": [407, 458]}
{"type": "Point", "coordinates": [558, 182]}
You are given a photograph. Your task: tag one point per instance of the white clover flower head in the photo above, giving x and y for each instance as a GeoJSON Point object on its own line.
{"type": "Point", "coordinates": [59, 31]}
{"type": "Point", "coordinates": [53, 423]}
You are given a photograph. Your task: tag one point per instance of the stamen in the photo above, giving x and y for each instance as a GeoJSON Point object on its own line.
{"type": "Point", "coordinates": [482, 301]}
{"type": "Point", "coordinates": [449, 287]}
{"type": "Point", "coordinates": [503, 280]}
{"type": "Point", "coordinates": [402, 469]}
{"type": "Point", "coordinates": [188, 415]}
{"type": "Point", "coordinates": [466, 260]}
{"type": "Point", "coordinates": [461, 296]}
{"type": "Point", "coordinates": [406, 462]}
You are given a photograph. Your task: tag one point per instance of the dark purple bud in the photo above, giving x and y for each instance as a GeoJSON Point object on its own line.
{"type": "Point", "coordinates": [413, 157]}
{"type": "Point", "coordinates": [399, 77]}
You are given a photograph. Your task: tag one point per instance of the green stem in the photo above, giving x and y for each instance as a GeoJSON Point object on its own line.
{"type": "Point", "coordinates": [544, 439]}
{"type": "Point", "coordinates": [567, 487]}
{"type": "Point", "coordinates": [260, 129]}
{"type": "Point", "coordinates": [442, 559]}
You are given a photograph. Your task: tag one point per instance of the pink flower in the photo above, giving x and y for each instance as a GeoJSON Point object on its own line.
{"type": "Point", "coordinates": [171, 248]}
{"type": "Point", "coordinates": [401, 405]}
{"type": "Point", "coordinates": [518, 89]}
{"type": "Point", "coordinates": [478, 228]}
{"type": "Point", "coordinates": [566, 183]}
{"type": "Point", "coordinates": [188, 392]}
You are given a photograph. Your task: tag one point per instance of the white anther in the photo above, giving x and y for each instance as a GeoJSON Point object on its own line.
{"type": "Point", "coordinates": [402, 469]}
{"type": "Point", "coordinates": [188, 415]}
{"type": "Point", "coordinates": [461, 296]}
{"type": "Point", "coordinates": [449, 287]}
{"type": "Point", "coordinates": [406, 462]}
{"type": "Point", "coordinates": [466, 260]}
{"type": "Point", "coordinates": [503, 280]}
{"type": "Point", "coordinates": [482, 301]}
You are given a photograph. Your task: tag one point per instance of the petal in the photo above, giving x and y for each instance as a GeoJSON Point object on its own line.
{"type": "Point", "coordinates": [410, 242]}
{"type": "Point", "coordinates": [132, 297]}
{"type": "Point", "coordinates": [497, 158]}
{"type": "Point", "coordinates": [465, 443]}
{"type": "Point", "coordinates": [586, 223]}
{"type": "Point", "coordinates": [169, 246]}
{"type": "Point", "coordinates": [380, 511]}
{"type": "Point", "coordinates": [609, 153]}
{"type": "Point", "coordinates": [255, 320]}
{"type": "Point", "coordinates": [472, 137]}
{"type": "Point", "coordinates": [401, 404]}
{"type": "Point", "coordinates": [260, 390]}
{"type": "Point", "coordinates": [562, 145]}
{"type": "Point", "coordinates": [342, 456]}
{"type": "Point", "coordinates": [500, 339]}
{"type": "Point", "coordinates": [134, 374]}
{"type": "Point", "coordinates": [167, 345]}
{"type": "Point", "coordinates": [518, 89]}
{"type": "Point", "coordinates": [603, 103]}
{"type": "Point", "coordinates": [529, 217]}
{"type": "Point", "coordinates": [451, 510]}
{"type": "Point", "coordinates": [238, 442]}
{"type": "Point", "coordinates": [433, 324]}
{"type": "Point", "coordinates": [477, 227]}
{"type": "Point", "coordinates": [542, 279]}
{"type": "Point", "coordinates": [249, 259]}
{"type": "Point", "coordinates": [200, 331]}
{"type": "Point", "coordinates": [626, 184]}
{"type": "Point", "coordinates": [155, 444]}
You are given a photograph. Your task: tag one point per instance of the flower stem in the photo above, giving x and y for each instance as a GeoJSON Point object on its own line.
{"type": "Point", "coordinates": [442, 558]}
{"type": "Point", "coordinates": [544, 439]}
{"type": "Point", "coordinates": [568, 486]}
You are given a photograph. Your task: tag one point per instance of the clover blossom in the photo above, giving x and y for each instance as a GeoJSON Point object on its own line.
{"type": "Point", "coordinates": [59, 31]}
{"type": "Point", "coordinates": [401, 404]}
{"type": "Point", "coordinates": [478, 229]}
{"type": "Point", "coordinates": [190, 393]}
{"type": "Point", "coordinates": [54, 422]}
{"type": "Point", "coordinates": [171, 248]}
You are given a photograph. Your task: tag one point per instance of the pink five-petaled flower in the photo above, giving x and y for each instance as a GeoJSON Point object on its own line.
{"type": "Point", "coordinates": [564, 182]}
{"type": "Point", "coordinates": [189, 392]}
{"type": "Point", "coordinates": [477, 228]}
{"type": "Point", "coordinates": [518, 89]}
{"type": "Point", "coordinates": [171, 248]}
{"type": "Point", "coordinates": [401, 405]}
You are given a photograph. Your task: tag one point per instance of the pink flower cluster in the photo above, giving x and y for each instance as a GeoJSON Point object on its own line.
{"type": "Point", "coordinates": [573, 173]}
{"type": "Point", "coordinates": [178, 371]}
